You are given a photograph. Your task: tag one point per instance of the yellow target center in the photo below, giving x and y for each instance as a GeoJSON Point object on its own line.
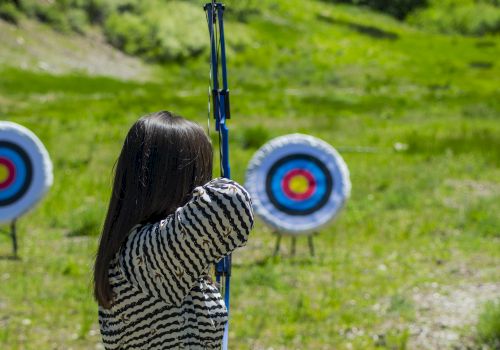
{"type": "Point", "coordinates": [4, 173]}
{"type": "Point", "coordinates": [299, 184]}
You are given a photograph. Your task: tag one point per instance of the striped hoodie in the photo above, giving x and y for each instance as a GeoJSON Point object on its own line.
{"type": "Point", "coordinates": [162, 297]}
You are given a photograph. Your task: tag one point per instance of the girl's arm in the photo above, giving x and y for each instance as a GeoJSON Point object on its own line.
{"type": "Point", "coordinates": [166, 259]}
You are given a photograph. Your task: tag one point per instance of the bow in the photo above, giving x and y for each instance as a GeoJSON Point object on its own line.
{"type": "Point", "coordinates": [220, 103]}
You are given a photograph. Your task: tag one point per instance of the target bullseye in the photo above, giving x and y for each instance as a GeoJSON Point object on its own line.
{"type": "Point", "coordinates": [298, 183]}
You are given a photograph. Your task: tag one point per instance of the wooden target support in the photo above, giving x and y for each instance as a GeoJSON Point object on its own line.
{"type": "Point", "coordinates": [12, 233]}
{"type": "Point", "coordinates": [293, 247]}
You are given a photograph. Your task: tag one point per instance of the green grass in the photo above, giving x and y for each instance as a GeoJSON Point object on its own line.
{"type": "Point", "coordinates": [488, 327]}
{"type": "Point", "coordinates": [417, 213]}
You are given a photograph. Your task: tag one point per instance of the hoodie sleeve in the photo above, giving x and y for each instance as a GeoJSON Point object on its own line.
{"type": "Point", "coordinates": [166, 259]}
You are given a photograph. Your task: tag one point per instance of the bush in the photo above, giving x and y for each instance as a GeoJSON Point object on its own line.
{"type": "Point", "coordinates": [129, 33]}
{"type": "Point", "coordinates": [396, 8]}
{"type": "Point", "coordinates": [488, 327]}
{"type": "Point", "coordinates": [50, 13]}
{"type": "Point", "coordinates": [99, 10]}
{"type": "Point", "coordinates": [53, 17]}
{"type": "Point", "coordinates": [184, 35]}
{"type": "Point", "coordinates": [150, 35]}
{"type": "Point", "coordinates": [77, 20]}
{"type": "Point", "coordinates": [469, 19]}
{"type": "Point", "coordinates": [62, 15]}
{"type": "Point", "coordinates": [9, 13]}
{"type": "Point", "coordinates": [156, 30]}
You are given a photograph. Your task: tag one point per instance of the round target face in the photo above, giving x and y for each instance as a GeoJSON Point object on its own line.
{"type": "Point", "coordinates": [25, 170]}
{"type": "Point", "coordinates": [298, 183]}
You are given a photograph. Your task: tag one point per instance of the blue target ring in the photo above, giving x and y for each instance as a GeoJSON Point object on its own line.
{"type": "Point", "coordinates": [280, 198]}
{"type": "Point", "coordinates": [23, 169]}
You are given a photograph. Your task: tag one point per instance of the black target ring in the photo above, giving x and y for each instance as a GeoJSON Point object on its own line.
{"type": "Point", "coordinates": [317, 203]}
{"type": "Point", "coordinates": [23, 168]}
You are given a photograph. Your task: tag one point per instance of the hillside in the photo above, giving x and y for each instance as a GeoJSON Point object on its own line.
{"type": "Point", "coordinates": [33, 46]}
{"type": "Point", "coordinates": [414, 113]}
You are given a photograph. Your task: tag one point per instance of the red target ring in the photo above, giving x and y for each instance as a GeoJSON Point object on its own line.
{"type": "Point", "coordinates": [306, 184]}
{"type": "Point", "coordinates": [7, 180]}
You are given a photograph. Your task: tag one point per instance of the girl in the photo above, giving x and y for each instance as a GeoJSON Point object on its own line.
{"type": "Point", "coordinates": [166, 224]}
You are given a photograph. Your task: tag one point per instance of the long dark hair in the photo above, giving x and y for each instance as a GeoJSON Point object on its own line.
{"type": "Point", "coordinates": [164, 157]}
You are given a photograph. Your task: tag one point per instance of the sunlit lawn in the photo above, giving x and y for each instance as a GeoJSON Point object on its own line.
{"type": "Point", "coordinates": [415, 117]}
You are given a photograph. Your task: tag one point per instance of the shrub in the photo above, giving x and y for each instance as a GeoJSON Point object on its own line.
{"type": "Point", "coordinates": [157, 30]}
{"type": "Point", "coordinates": [9, 13]}
{"type": "Point", "coordinates": [77, 20]}
{"type": "Point", "coordinates": [396, 8]}
{"type": "Point", "coordinates": [179, 32]}
{"type": "Point", "coordinates": [99, 10]}
{"type": "Point", "coordinates": [50, 13]}
{"type": "Point", "coordinates": [488, 327]}
{"type": "Point", "coordinates": [129, 33]}
{"type": "Point", "coordinates": [469, 19]}
{"type": "Point", "coordinates": [171, 32]}
{"type": "Point", "coordinates": [75, 14]}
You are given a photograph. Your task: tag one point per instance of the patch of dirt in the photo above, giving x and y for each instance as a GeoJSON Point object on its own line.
{"type": "Point", "coordinates": [465, 191]}
{"type": "Point", "coordinates": [475, 188]}
{"type": "Point", "coordinates": [443, 314]}
{"type": "Point", "coordinates": [35, 46]}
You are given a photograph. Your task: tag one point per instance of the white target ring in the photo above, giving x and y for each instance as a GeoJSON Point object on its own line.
{"type": "Point", "coordinates": [298, 183]}
{"type": "Point", "coordinates": [25, 170]}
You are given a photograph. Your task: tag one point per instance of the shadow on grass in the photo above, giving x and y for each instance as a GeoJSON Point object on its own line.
{"type": "Point", "coordinates": [264, 261]}
{"type": "Point", "coordinates": [485, 44]}
{"type": "Point", "coordinates": [370, 31]}
{"type": "Point", "coordinates": [481, 64]}
{"type": "Point", "coordinates": [10, 257]}
{"type": "Point", "coordinates": [85, 230]}
{"type": "Point", "coordinates": [270, 260]}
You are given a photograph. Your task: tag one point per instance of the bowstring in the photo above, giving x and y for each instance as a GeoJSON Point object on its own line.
{"type": "Point", "coordinates": [217, 50]}
{"type": "Point", "coordinates": [214, 34]}
{"type": "Point", "coordinates": [210, 79]}
{"type": "Point", "coordinates": [222, 286]}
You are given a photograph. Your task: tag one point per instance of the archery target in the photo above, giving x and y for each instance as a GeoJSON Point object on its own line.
{"type": "Point", "coordinates": [298, 183]}
{"type": "Point", "coordinates": [25, 170]}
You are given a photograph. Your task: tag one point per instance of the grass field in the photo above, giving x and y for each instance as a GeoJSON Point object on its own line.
{"type": "Point", "coordinates": [415, 116]}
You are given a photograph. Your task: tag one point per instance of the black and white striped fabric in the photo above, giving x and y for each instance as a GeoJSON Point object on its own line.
{"type": "Point", "coordinates": [161, 298]}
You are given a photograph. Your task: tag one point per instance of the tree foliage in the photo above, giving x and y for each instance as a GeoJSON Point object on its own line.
{"type": "Point", "coordinates": [396, 8]}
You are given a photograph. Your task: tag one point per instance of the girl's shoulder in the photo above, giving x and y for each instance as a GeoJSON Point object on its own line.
{"type": "Point", "coordinates": [228, 188]}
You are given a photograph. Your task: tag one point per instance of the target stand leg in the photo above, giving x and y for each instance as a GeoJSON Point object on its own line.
{"type": "Point", "coordinates": [293, 247]}
{"type": "Point", "coordinates": [278, 243]}
{"type": "Point", "coordinates": [13, 236]}
{"type": "Point", "coordinates": [311, 244]}
{"type": "Point", "coordinates": [294, 244]}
